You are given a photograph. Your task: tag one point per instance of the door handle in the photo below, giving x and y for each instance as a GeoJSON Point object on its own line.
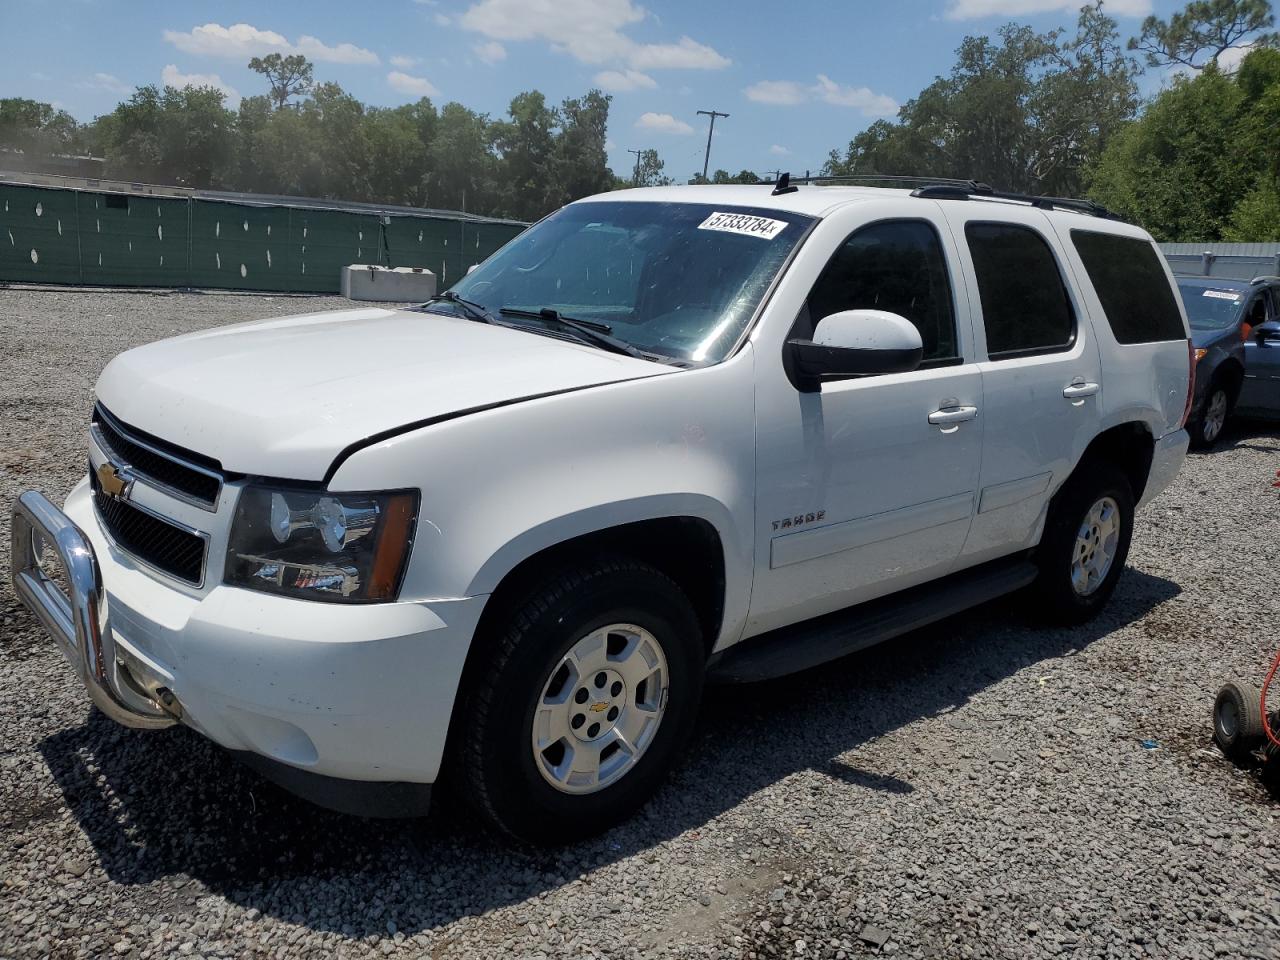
{"type": "Point", "coordinates": [949, 416]}
{"type": "Point", "coordinates": [1078, 389]}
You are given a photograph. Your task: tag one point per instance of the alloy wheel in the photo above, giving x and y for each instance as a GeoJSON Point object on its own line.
{"type": "Point", "coordinates": [600, 708]}
{"type": "Point", "coordinates": [1096, 543]}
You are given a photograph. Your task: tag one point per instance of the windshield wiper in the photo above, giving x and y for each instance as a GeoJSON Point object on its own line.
{"type": "Point", "coordinates": [473, 310]}
{"type": "Point", "coordinates": [590, 330]}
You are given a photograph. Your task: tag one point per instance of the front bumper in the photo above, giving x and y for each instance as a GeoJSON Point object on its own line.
{"type": "Point", "coordinates": [335, 692]}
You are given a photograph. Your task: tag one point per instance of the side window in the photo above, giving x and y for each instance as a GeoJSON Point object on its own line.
{"type": "Point", "coordinates": [1132, 287]}
{"type": "Point", "coordinates": [1255, 313]}
{"type": "Point", "coordinates": [1025, 307]}
{"type": "Point", "coordinates": [894, 265]}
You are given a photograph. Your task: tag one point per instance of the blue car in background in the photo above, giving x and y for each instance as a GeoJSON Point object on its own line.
{"type": "Point", "coordinates": [1235, 329]}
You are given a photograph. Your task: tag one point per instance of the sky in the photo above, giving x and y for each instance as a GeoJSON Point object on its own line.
{"type": "Point", "coordinates": [797, 78]}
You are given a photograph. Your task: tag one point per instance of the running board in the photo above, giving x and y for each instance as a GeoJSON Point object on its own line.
{"type": "Point", "coordinates": [822, 639]}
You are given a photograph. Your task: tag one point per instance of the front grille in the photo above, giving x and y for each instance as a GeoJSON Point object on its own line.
{"type": "Point", "coordinates": [153, 541]}
{"type": "Point", "coordinates": [187, 474]}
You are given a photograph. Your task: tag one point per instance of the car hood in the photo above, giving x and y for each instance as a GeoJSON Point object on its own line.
{"type": "Point", "coordinates": [1205, 338]}
{"type": "Point", "coordinates": [284, 397]}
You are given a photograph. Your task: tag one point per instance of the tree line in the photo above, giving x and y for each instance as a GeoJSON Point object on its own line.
{"type": "Point", "coordinates": [1057, 113]}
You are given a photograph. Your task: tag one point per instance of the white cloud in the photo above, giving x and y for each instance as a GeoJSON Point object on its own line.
{"type": "Point", "coordinates": [619, 81]}
{"type": "Point", "coordinates": [789, 93]}
{"type": "Point", "coordinates": [404, 62]}
{"type": "Point", "coordinates": [491, 51]}
{"type": "Point", "coordinates": [590, 31]}
{"type": "Point", "coordinates": [413, 86]}
{"type": "Point", "coordinates": [171, 76]}
{"type": "Point", "coordinates": [779, 151]}
{"type": "Point", "coordinates": [786, 93]}
{"type": "Point", "coordinates": [442, 19]}
{"type": "Point", "coordinates": [1229, 59]}
{"type": "Point", "coordinates": [662, 123]}
{"type": "Point", "coordinates": [687, 54]}
{"type": "Point", "coordinates": [241, 41]}
{"type": "Point", "coordinates": [976, 9]}
{"type": "Point", "coordinates": [313, 49]}
{"type": "Point", "coordinates": [104, 81]}
{"type": "Point", "coordinates": [871, 104]}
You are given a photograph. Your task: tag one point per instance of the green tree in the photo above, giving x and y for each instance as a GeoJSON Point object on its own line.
{"type": "Point", "coordinates": [744, 176]}
{"type": "Point", "coordinates": [289, 76]}
{"type": "Point", "coordinates": [1024, 111]}
{"type": "Point", "coordinates": [525, 143]}
{"type": "Point", "coordinates": [1204, 30]}
{"type": "Point", "coordinates": [184, 137]}
{"type": "Point", "coordinates": [37, 128]}
{"type": "Point", "coordinates": [648, 171]}
{"type": "Point", "coordinates": [460, 164]}
{"type": "Point", "coordinates": [581, 164]}
{"type": "Point", "coordinates": [1179, 170]}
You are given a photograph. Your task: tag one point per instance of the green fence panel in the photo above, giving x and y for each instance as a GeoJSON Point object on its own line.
{"type": "Point", "coordinates": [243, 247]}
{"type": "Point", "coordinates": [50, 235]}
{"type": "Point", "coordinates": [38, 235]}
{"type": "Point", "coordinates": [328, 240]}
{"type": "Point", "coordinates": [481, 240]}
{"type": "Point", "coordinates": [434, 243]}
{"type": "Point", "coordinates": [132, 241]}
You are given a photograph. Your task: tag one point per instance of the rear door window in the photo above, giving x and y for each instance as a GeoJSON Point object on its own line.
{"type": "Point", "coordinates": [1131, 284]}
{"type": "Point", "coordinates": [1025, 306]}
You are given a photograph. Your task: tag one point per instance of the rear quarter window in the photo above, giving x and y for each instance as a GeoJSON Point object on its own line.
{"type": "Point", "coordinates": [1132, 287]}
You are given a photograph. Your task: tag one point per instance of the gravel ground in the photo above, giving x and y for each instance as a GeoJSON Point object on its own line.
{"type": "Point", "coordinates": [977, 789]}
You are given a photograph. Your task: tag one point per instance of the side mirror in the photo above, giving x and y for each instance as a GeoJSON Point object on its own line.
{"type": "Point", "coordinates": [1268, 334]}
{"type": "Point", "coordinates": [856, 343]}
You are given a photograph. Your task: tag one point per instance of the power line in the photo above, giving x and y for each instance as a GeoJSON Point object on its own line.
{"type": "Point", "coordinates": [706, 158]}
{"type": "Point", "coordinates": [635, 179]}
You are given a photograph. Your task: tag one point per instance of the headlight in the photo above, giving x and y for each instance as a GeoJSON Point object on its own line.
{"type": "Point", "coordinates": [341, 547]}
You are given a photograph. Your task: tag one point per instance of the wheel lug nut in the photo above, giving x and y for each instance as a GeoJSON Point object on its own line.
{"type": "Point", "coordinates": [601, 680]}
{"type": "Point", "coordinates": [578, 720]}
{"type": "Point", "coordinates": [581, 695]}
{"type": "Point", "coordinates": [613, 713]}
{"type": "Point", "coordinates": [593, 730]}
{"type": "Point", "coordinates": [616, 688]}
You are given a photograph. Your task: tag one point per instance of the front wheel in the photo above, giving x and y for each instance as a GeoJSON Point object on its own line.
{"type": "Point", "coordinates": [579, 707]}
{"type": "Point", "coordinates": [1085, 543]}
{"type": "Point", "coordinates": [1207, 428]}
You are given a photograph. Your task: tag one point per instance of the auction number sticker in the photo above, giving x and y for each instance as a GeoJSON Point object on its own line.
{"type": "Point", "coordinates": [1221, 295]}
{"type": "Point", "coordinates": [743, 223]}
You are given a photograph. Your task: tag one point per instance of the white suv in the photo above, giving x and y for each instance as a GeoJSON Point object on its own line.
{"type": "Point", "coordinates": [663, 435]}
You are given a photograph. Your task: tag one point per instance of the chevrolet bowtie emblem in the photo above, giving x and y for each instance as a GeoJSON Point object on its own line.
{"type": "Point", "coordinates": [113, 483]}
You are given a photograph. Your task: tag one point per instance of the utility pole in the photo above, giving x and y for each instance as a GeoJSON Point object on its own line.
{"type": "Point", "coordinates": [707, 157]}
{"type": "Point", "coordinates": [774, 178]}
{"type": "Point", "coordinates": [635, 178]}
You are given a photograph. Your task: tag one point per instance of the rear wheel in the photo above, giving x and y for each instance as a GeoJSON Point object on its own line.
{"type": "Point", "coordinates": [581, 705]}
{"type": "Point", "coordinates": [1237, 720]}
{"type": "Point", "coordinates": [1085, 542]}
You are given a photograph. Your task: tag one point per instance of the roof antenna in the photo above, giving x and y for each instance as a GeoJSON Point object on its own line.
{"type": "Point", "coordinates": [784, 185]}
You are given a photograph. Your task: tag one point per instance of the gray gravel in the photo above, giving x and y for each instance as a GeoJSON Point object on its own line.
{"type": "Point", "coordinates": [977, 789]}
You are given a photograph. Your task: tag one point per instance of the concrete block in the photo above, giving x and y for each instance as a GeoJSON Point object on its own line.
{"type": "Point", "coordinates": [367, 281]}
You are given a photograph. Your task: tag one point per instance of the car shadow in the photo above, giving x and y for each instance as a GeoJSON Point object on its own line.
{"type": "Point", "coordinates": [1245, 433]}
{"type": "Point", "coordinates": [170, 805]}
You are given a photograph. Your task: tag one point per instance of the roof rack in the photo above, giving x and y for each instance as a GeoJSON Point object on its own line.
{"type": "Point", "coordinates": [1264, 278]}
{"type": "Point", "coordinates": [973, 190]}
{"type": "Point", "coordinates": [950, 188]}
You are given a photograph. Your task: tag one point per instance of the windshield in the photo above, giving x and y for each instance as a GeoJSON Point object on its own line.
{"type": "Point", "coordinates": [674, 280]}
{"type": "Point", "coordinates": [1209, 307]}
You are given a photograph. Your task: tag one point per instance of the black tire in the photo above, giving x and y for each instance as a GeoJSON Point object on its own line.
{"type": "Point", "coordinates": [496, 768]}
{"type": "Point", "coordinates": [1203, 434]}
{"type": "Point", "coordinates": [1237, 720]}
{"type": "Point", "coordinates": [1056, 598]}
